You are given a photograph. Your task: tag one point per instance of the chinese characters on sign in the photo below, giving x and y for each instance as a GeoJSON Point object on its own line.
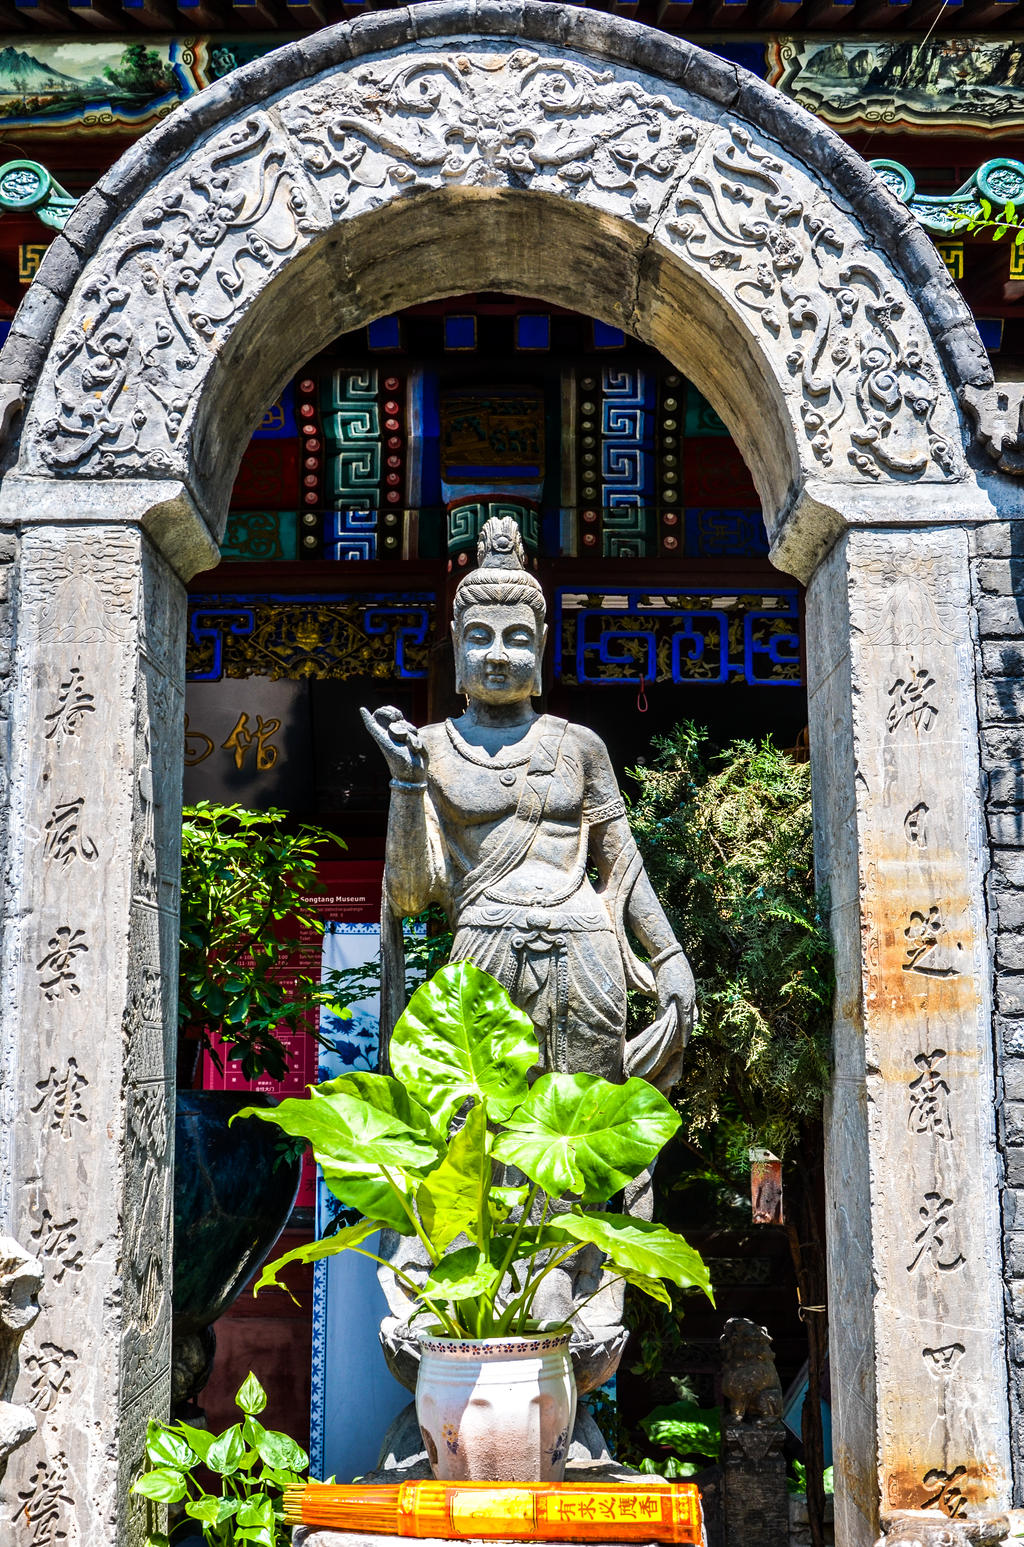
{"type": "Point", "coordinates": [932, 1240]}
{"type": "Point", "coordinates": [239, 741]}
{"type": "Point", "coordinates": [60, 1101]}
{"type": "Point", "coordinates": [926, 953]}
{"type": "Point", "coordinates": [73, 704]}
{"type": "Point", "coordinates": [945, 1491]}
{"type": "Point", "coordinates": [57, 970]}
{"type": "Point", "coordinates": [65, 842]}
{"type": "Point", "coordinates": [242, 738]}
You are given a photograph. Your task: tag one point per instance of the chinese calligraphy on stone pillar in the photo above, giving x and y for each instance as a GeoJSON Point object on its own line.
{"type": "Point", "coordinates": [925, 1023]}
{"type": "Point", "coordinates": [98, 732]}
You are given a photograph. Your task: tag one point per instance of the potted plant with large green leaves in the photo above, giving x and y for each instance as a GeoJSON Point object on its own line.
{"type": "Point", "coordinates": [499, 1177]}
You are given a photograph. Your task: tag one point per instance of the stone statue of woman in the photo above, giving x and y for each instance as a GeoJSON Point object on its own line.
{"type": "Point", "coordinates": [499, 816]}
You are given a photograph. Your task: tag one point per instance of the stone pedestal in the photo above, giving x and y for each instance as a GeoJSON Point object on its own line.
{"type": "Point", "coordinates": [755, 1504]}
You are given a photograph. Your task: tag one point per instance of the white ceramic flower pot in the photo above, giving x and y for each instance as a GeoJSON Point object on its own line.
{"type": "Point", "coordinates": [497, 1409]}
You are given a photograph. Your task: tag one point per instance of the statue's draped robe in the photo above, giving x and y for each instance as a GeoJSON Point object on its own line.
{"type": "Point", "coordinates": [562, 954]}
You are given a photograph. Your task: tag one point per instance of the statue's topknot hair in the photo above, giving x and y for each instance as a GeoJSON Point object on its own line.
{"type": "Point", "coordinates": [502, 577]}
{"type": "Point", "coordinates": [500, 545]}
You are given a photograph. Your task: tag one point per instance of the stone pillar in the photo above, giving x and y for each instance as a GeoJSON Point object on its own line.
{"type": "Point", "coordinates": [917, 1356]}
{"type": "Point", "coordinates": [89, 976]}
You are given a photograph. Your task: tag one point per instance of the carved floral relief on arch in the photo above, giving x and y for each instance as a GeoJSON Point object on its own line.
{"type": "Point", "coordinates": [869, 386]}
{"type": "Point", "coordinates": [174, 278]}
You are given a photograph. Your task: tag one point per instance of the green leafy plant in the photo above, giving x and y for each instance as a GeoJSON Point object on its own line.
{"type": "Point", "coordinates": [254, 1465]}
{"type": "Point", "coordinates": [1000, 222]}
{"type": "Point", "coordinates": [692, 1435]}
{"type": "Point", "coordinates": [417, 1152]}
{"type": "Point", "coordinates": [242, 875]}
{"type": "Point", "coordinates": [796, 1479]}
{"type": "Point", "coordinates": [728, 843]}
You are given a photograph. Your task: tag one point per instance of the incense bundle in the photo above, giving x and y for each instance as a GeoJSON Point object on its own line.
{"type": "Point", "coordinates": [543, 1512]}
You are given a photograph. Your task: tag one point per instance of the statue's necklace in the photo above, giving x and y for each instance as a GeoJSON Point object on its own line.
{"type": "Point", "coordinates": [497, 763]}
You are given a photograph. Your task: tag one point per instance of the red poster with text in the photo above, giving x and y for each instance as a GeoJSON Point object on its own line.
{"type": "Point", "coordinates": [350, 892]}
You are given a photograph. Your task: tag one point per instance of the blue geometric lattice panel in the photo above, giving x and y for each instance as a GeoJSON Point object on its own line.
{"type": "Point", "coordinates": [466, 520]}
{"type": "Point", "coordinates": [354, 424]}
{"type": "Point", "coordinates": [628, 402]}
{"type": "Point", "coordinates": [364, 414]}
{"type": "Point", "coordinates": [349, 385]}
{"type": "Point", "coordinates": [624, 638]}
{"type": "Point", "coordinates": [352, 477]}
{"type": "Point", "coordinates": [626, 529]}
{"type": "Point", "coordinates": [350, 534]}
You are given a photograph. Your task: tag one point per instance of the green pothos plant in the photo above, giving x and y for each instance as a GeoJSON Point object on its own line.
{"type": "Point", "coordinates": [419, 1151]}
{"type": "Point", "coordinates": [252, 1466]}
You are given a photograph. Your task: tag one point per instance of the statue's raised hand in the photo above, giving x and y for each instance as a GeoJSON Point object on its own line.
{"type": "Point", "coordinates": [400, 743]}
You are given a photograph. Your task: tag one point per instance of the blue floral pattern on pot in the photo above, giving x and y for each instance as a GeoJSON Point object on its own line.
{"type": "Point", "coordinates": [559, 1447]}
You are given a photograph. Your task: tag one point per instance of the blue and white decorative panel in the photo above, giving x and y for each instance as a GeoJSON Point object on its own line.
{"type": "Point", "coordinates": [627, 445]}
{"type": "Point", "coordinates": [714, 534]}
{"type": "Point", "coordinates": [354, 414]}
{"type": "Point", "coordinates": [466, 520]}
{"type": "Point", "coordinates": [350, 534]}
{"type": "Point", "coordinates": [354, 1396]}
{"type": "Point", "coordinates": [278, 422]}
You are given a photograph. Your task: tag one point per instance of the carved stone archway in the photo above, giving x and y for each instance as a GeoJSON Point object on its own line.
{"type": "Point", "coordinates": [562, 154]}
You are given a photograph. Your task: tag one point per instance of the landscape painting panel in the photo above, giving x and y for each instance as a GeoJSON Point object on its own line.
{"type": "Point", "coordinates": [45, 86]}
{"type": "Point", "coordinates": [975, 84]}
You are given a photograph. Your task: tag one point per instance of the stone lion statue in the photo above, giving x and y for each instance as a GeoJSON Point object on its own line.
{"type": "Point", "coordinates": [750, 1381]}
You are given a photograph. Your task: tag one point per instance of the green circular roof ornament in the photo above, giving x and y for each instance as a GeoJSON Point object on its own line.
{"type": "Point", "coordinates": [27, 186]}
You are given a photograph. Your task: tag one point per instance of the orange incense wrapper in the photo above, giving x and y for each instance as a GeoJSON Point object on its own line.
{"type": "Point", "coordinates": [543, 1512]}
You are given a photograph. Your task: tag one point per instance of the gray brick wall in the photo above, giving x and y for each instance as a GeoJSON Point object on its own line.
{"type": "Point", "coordinates": [8, 569]}
{"type": "Point", "coordinates": [997, 573]}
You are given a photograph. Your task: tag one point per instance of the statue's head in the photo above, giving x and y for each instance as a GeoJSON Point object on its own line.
{"type": "Point", "coordinates": [499, 624]}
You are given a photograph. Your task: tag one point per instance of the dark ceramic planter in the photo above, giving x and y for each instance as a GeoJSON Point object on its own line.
{"type": "Point", "coordinates": [230, 1203]}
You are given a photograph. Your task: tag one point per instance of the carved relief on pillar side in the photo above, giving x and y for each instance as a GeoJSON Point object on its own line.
{"type": "Point", "coordinates": [925, 997]}
{"type": "Point", "coordinates": [147, 1024]}
{"type": "Point", "coordinates": [156, 822]}
{"type": "Point", "coordinates": [137, 1408]}
{"type": "Point", "coordinates": [146, 1207]}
